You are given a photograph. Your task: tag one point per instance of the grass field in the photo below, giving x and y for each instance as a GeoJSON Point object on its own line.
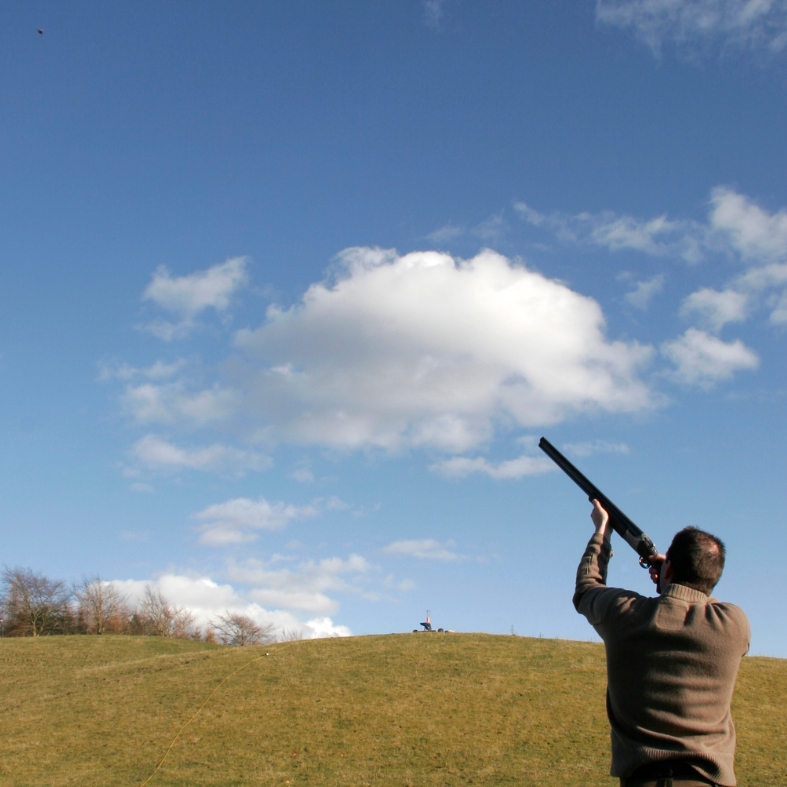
{"type": "Point", "coordinates": [410, 709]}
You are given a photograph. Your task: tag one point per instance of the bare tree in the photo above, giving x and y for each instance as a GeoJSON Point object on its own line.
{"type": "Point", "coordinates": [159, 618]}
{"type": "Point", "coordinates": [233, 628]}
{"type": "Point", "coordinates": [33, 605]}
{"type": "Point", "coordinates": [101, 607]}
{"type": "Point", "coordinates": [155, 613]}
{"type": "Point", "coordinates": [291, 635]}
{"type": "Point", "coordinates": [183, 624]}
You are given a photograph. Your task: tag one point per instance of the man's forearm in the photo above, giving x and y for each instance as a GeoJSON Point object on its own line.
{"type": "Point", "coordinates": [592, 571]}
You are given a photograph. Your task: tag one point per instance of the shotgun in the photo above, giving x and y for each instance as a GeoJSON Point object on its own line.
{"type": "Point", "coordinates": [621, 524]}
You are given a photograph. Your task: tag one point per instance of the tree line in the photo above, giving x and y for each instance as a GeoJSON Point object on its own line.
{"type": "Point", "coordinates": [32, 605]}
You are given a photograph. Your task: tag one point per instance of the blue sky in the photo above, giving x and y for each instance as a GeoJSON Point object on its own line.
{"type": "Point", "coordinates": [289, 292]}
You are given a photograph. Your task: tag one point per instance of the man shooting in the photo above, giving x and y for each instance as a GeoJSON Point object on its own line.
{"type": "Point", "coordinates": [671, 662]}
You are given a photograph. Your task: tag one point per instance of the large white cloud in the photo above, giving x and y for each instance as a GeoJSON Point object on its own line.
{"type": "Point", "coordinates": [423, 349]}
{"type": "Point", "coordinates": [755, 23]}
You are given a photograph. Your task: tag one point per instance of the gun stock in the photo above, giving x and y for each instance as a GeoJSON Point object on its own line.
{"type": "Point", "coordinates": [621, 524]}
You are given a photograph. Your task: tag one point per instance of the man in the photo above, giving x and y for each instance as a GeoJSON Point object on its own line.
{"type": "Point", "coordinates": [671, 662]}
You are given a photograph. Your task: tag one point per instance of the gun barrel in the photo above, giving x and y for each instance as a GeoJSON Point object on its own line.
{"type": "Point", "coordinates": [621, 524]}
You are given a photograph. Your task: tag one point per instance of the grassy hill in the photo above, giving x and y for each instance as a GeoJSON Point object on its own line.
{"type": "Point", "coordinates": [425, 709]}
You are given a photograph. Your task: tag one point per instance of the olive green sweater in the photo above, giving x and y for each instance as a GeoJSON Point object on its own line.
{"type": "Point", "coordinates": [671, 667]}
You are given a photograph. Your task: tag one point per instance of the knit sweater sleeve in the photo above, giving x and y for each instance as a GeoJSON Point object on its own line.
{"type": "Point", "coordinates": [592, 597]}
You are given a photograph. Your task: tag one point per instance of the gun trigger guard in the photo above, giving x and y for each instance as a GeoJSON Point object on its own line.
{"type": "Point", "coordinates": [644, 563]}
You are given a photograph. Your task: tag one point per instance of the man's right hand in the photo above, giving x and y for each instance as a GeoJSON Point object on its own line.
{"type": "Point", "coordinates": [600, 517]}
{"type": "Point", "coordinates": [654, 569]}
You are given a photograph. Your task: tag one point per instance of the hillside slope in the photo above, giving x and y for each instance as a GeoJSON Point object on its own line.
{"type": "Point", "coordinates": [437, 709]}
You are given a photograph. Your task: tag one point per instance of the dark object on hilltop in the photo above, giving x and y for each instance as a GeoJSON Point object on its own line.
{"type": "Point", "coordinates": [427, 624]}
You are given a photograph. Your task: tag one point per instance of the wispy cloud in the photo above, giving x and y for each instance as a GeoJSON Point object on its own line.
{"type": "Point", "coordinates": [305, 586]}
{"type": "Point", "coordinates": [461, 466]}
{"type": "Point", "coordinates": [658, 237]}
{"type": "Point", "coordinates": [433, 13]}
{"type": "Point", "coordinates": [172, 403]}
{"type": "Point", "coordinates": [641, 296]}
{"type": "Point", "coordinates": [694, 24]}
{"type": "Point", "coordinates": [157, 454]}
{"type": "Point", "coordinates": [596, 447]}
{"type": "Point", "coordinates": [447, 232]}
{"type": "Point", "coordinates": [241, 520]}
{"type": "Point", "coordinates": [112, 370]}
{"type": "Point", "coordinates": [737, 228]}
{"type": "Point", "coordinates": [424, 549]}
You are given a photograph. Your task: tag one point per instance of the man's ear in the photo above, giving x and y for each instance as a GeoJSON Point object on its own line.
{"type": "Point", "coordinates": [668, 572]}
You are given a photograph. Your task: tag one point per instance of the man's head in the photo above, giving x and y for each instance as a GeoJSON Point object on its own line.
{"type": "Point", "coordinates": [696, 559]}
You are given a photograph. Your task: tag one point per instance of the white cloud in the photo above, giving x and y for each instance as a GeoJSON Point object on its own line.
{"type": "Point", "coordinates": [425, 549]}
{"type": "Point", "coordinates": [433, 13]}
{"type": "Point", "coordinates": [187, 296]}
{"type": "Point", "coordinates": [736, 227]}
{"type": "Point", "coordinates": [779, 313]}
{"type": "Point", "coordinates": [641, 296]}
{"type": "Point", "coordinates": [171, 403]}
{"type": "Point", "coordinates": [445, 233]}
{"type": "Point", "coordinates": [239, 520]}
{"type": "Point", "coordinates": [123, 371]}
{"type": "Point", "coordinates": [758, 236]}
{"type": "Point", "coordinates": [596, 447]}
{"type": "Point", "coordinates": [303, 474]}
{"type": "Point", "coordinates": [716, 309]}
{"type": "Point", "coordinates": [427, 350]}
{"type": "Point", "coordinates": [701, 359]}
{"type": "Point", "coordinates": [531, 216]}
{"type": "Point", "coordinates": [491, 229]}
{"type": "Point", "coordinates": [158, 454]}
{"type": "Point", "coordinates": [659, 237]}
{"type": "Point", "coordinates": [760, 24]}
{"type": "Point", "coordinates": [206, 600]}
{"type": "Point", "coordinates": [304, 587]}
{"type": "Point", "coordinates": [461, 466]}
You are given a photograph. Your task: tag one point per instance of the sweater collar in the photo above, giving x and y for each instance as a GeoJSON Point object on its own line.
{"type": "Point", "coordinates": [685, 593]}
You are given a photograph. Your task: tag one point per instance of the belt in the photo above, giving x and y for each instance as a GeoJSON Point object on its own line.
{"type": "Point", "coordinates": [666, 774]}
{"type": "Point", "coordinates": [667, 781]}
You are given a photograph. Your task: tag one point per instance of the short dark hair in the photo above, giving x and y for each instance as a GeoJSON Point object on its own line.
{"type": "Point", "coordinates": [697, 559]}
